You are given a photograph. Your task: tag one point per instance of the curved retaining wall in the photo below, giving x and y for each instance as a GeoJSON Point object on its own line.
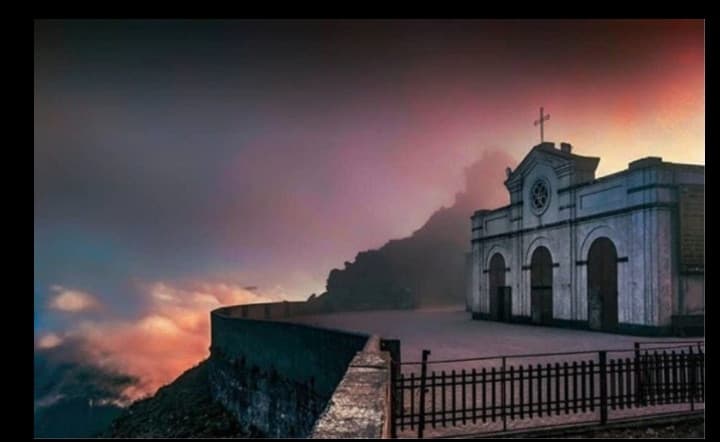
{"type": "Point", "coordinates": [360, 406]}
{"type": "Point", "coordinates": [278, 377]}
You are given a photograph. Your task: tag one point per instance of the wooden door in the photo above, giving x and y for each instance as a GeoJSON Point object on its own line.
{"type": "Point", "coordinates": [496, 280]}
{"type": "Point", "coordinates": [602, 285]}
{"type": "Point", "coordinates": [541, 290]}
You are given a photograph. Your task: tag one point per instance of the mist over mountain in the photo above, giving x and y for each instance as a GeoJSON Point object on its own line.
{"type": "Point", "coordinates": [72, 397]}
{"type": "Point", "coordinates": [428, 267]}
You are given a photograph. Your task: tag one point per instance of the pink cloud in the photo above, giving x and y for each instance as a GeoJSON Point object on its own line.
{"type": "Point", "coordinates": [49, 340]}
{"type": "Point", "coordinates": [73, 301]}
{"type": "Point", "coordinates": [170, 336]}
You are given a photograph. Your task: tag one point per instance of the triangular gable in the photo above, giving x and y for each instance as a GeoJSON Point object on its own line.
{"type": "Point", "coordinates": [560, 159]}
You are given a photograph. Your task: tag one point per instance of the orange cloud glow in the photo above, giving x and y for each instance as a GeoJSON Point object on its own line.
{"type": "Point", "coordinates": [169, 337]}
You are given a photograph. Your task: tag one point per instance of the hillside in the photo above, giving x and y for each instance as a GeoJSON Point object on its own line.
{"type": "Point", "coordinates": [428, 267]}
{"type": "Point", "coordinates": [424, 269]}
{"type": "Point", "coordinates": [182, 408]}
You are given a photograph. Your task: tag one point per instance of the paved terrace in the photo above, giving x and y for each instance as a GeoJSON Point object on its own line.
{"type": "Point", "coordinates": [450, 333]}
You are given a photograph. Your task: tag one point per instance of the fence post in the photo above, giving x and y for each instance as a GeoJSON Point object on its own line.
{"type": "Point", "coordinates": [393, 398]}
{"type": "Point", "coordinates": [502, 394]}
{"type": "Point", "coordinates": [691, 377]}
{"type": "Point", "coordinates": [603, 387]}
{"type": "Point", "coordinates": [423, 376]}
{"type": "Point", "coordinates": [701, 374]}
{"type": "Point", "coordinates": [638, 378]}
{"type": "Point", "coordinates": [392, 346]}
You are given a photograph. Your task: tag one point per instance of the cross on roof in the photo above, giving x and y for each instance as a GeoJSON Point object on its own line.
{"type": "Point", "coordinates": [542, 119]}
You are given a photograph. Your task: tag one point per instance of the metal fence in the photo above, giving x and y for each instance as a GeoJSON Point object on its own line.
{"type": "Point", "coordinates": [480, 392]}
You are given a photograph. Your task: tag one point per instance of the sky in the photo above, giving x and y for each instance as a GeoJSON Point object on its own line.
{"type": "Point", "coordinates": [183, 165]}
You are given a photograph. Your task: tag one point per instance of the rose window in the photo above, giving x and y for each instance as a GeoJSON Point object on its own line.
{"type": "Point", "coordinates": [539, 195]}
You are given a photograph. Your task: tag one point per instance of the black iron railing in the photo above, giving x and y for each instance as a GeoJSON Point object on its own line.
{"type": "Point", "coordinates": [573, 383]}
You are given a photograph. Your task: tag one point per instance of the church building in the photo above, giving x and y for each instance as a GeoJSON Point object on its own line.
{"type": "Point", "coordinates": [621, 253]}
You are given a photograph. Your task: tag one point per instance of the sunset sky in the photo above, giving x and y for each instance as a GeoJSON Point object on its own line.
{"type": "Point", "coordinates": [181, 165]}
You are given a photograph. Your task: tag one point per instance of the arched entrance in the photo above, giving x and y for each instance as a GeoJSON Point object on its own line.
{"type": "Point", "coordinates": [499, 302]}
{"type": "Point", "coordinates": [541, 302]}
{"type": "Point", "coordinates": [602, 285]}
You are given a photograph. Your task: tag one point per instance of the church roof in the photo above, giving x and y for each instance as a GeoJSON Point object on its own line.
{"type": "Point", "coordinates": [581, 163]}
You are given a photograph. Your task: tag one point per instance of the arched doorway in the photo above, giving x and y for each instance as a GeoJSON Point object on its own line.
{"type": "Point", "coordinates": [602, 285]}
{"type": "Point", "coordinates": [541, 302]}
{"type": "Point", "coordinates": [499, 310]}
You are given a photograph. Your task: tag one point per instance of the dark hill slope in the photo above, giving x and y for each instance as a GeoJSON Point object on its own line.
{"type": "Point", "coordinates": [425, 268]}
{"type": "Point", "coordinates": [428, 267]}
{"type": "Point", "coordinates": [184, 408]}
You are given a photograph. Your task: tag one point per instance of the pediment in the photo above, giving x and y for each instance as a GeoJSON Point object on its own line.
{"type": "Point", "coordinates": [563, 162]}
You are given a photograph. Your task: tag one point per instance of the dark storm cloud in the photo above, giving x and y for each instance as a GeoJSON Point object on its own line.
{"type": "Point", "coordinates": [183, 165]}
{"type": "Point", "coordinates": [271, 151]}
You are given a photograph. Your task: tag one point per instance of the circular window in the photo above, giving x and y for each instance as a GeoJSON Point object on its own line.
{"type": "Point", "coordinates": [539, 196]}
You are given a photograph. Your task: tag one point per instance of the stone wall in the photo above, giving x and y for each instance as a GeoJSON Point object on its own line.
{"type": "Point", "coordinates": [360, 407]}
{"type": "Point", "coordinates": [277, 377]}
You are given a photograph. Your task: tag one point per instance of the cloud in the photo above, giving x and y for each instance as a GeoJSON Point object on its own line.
{"type": "Point", "coordinates": [49, 340]}
{"type": "Point", "coordinates": [63, 373]}
{"type": "Point", "coordinates": [291, 167]}
{"type": "Point", "coordinates": [288, 173]}
{"type": "Point", "coordinates": [74, 301]}
{"type": "Point", "coordinates": [484, 178]}
{"type": "Point", "coordinates": [170, 335]}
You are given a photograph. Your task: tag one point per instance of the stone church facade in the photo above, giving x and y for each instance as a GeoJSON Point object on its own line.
{"type": "Point", "coordinates": [621, 253]}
